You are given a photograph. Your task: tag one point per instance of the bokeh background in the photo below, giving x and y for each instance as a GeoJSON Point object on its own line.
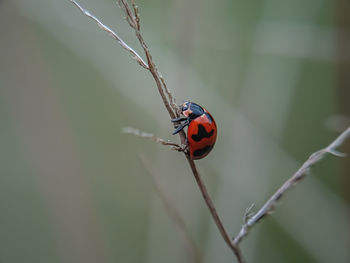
{"type": "Point", "coordinates": [274, 74]}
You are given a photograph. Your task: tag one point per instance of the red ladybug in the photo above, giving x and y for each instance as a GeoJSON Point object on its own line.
{"type": "Point", "coordinates": [201, 132]}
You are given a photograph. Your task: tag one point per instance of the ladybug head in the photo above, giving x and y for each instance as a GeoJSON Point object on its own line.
{"type": "Point", "coordinates": [191, 110]}
{"type": "Point", "coordinates": [186, 108]}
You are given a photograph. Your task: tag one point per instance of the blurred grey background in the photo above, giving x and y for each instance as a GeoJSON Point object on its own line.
{"type": "Point", "coordinates": [274, 74]}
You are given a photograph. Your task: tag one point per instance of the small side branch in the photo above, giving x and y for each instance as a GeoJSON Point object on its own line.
{"type": "Point", "coordinates": [138, 133]}
{"type": "Point", "coordinates": [299, 175]}
{"type": "Point", "coordinates": [113, 34]}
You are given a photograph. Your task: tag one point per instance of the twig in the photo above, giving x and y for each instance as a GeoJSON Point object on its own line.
{"type": "Point", "coordinates": [299, 175]}
{"type": "Point", "coordinates": [113, 34]}
{"type": "Point", "coordinates": [173, 213]}
{"type": "Point", "coordinates": [213, 212]}
{"type": "Point", "coordinates": [248, 213]}
{"type": "Point", "coordinates": [138, 133]}
{"type": "Point", "coordinates": [133, 20]}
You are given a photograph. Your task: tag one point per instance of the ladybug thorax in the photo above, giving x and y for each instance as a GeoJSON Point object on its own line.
{"type": "Point", "coordinates": [192, 110]}
{"type": "Point", "coordinates": [187, 113]}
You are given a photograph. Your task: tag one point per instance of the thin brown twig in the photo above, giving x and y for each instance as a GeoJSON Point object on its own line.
{"type": "Point", "coordinates": [213, 212]}
{"type": "Point", "coordinates": [138, 133]}
{"type": "Point", "coordinates": [298, 175]}
{"type": "Point", "coordinates": [173, 213]}
{"type": "Point", "coordinates": [170, 96]}
{"type": "Point", "coordinates": [137, 15]}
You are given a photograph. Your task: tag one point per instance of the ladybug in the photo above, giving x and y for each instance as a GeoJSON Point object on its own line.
{"type": "Point", "coordinates": [201, 132]}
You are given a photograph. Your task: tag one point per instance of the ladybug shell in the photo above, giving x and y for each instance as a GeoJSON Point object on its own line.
{"type": "Point", "coordinates": [201, 136]}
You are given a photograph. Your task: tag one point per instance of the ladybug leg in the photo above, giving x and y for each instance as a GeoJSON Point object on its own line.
{"type": "Point", "coordinates": [184, 148]}
{"type": "Point", "coordinates": [181, 148]}
{"type": "Point", "coordinates": [180, 119]}
{"type": "Point", "coordinates": [181, 126]}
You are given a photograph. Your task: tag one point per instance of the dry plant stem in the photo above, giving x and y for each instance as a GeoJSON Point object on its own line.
{"type": "Point", "coordinates": [172, 211]}
{"type": "Point", "coordinates": [299, 174]}
{"type": "Point", "coordinates": [138, 133]}
{"type": "Point", "coordinates": [133, 19]}
{"type": "Point", "coordinates": [213, 212]}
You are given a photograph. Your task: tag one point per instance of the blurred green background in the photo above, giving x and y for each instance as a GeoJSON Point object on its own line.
{"type": "Point", "coordinates": [274, 74]}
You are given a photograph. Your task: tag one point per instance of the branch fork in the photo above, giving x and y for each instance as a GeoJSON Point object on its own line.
{"type": "Point", "coordinates": [292, 181]}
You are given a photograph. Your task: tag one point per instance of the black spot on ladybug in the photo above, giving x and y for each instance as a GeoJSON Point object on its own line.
{"type": "Point", "coordinates": [202, 133]}
{"type": "Point", "coordinates": [202, 151]}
